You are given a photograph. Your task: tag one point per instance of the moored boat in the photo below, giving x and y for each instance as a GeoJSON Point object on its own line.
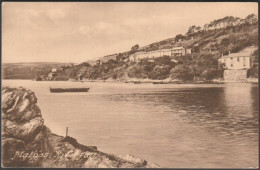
{"type": "Point", "coordinates": [160, 82]}
{"type": "Point", "coordinates": [60, 90]}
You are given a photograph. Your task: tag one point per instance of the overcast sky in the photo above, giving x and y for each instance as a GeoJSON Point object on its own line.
{"type": "Point", "coordinates": [76, 32]}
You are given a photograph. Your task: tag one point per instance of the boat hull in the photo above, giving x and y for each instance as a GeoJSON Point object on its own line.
{"type": "Point", "coordinates": [62, 90]}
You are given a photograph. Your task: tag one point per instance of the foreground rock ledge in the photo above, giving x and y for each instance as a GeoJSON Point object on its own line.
{"type": "Point", "coordinates": [27, 142]}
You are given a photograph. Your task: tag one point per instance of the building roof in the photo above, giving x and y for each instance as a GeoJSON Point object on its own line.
{"type": "Point", "coordinates": [236, 55]}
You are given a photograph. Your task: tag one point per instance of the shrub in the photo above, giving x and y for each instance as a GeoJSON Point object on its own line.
{"type": "Point", "coordinates": [160, 72]}
{"type": "Point", "coordinates": [181, 72]}
{"type": "Point", "coordinates": [209, 74]}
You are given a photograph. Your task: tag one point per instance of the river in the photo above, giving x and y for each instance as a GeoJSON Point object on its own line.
{"type": "Point", "coordinates": [173, 125]}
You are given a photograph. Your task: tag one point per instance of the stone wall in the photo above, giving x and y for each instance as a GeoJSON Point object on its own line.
{"type": "Point", "coordinates": [235, 75]}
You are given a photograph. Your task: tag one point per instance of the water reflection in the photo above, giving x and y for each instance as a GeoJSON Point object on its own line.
{"type": "Point", "coordinates": [228, 114]}
{"type": "Point", "coordinates": [231, 109]}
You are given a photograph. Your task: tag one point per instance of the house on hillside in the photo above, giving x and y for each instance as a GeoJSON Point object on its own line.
{"type": "Point", "coordinates": [51, 76]}
{"type": "Point", "coordinates": [106, 59]}
{"type": "Point", "coordinates": [237, 65]}
{"type": "Point", "coordinates": [126, 60]}
{"type": "Point", "coordinates": [236, 61]}
{"type": "Point", "coordinates": [177, 51]}
{"type": "Point", "coordinates": [188, 50]}
{"type": "Point", "coordinates": [54, 70]}
{"type": "Point", "coordinates": [173, 52]}
{"type": "Point", "coordinates": [109, 57]}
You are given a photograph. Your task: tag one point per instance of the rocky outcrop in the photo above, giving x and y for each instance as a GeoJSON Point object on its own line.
{"type": "Point", "coordinates": [27, 142]}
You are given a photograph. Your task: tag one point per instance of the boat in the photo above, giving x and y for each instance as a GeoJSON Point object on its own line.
{"type": "Point", "coordinates": [60, 90]}
{"type": "Point", "coordinates": [160, 82]}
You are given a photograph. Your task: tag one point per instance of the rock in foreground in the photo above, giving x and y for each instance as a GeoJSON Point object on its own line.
{"type": "Point", "coordinates": [27, 142]}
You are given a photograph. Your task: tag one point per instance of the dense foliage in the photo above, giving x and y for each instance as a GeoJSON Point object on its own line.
{"type": "Point", "coordinates": [201, 66]}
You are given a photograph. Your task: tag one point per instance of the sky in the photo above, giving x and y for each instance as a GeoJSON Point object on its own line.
{"type": "Point", "coordinates": [80, 31]}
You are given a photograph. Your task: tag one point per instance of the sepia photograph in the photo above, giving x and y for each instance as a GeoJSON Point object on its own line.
{"type": "Point", "coordinates": [129, 85]}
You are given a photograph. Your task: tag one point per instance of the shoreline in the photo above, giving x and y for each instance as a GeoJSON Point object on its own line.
{"type": "Point", "coordinates": [165, 81]}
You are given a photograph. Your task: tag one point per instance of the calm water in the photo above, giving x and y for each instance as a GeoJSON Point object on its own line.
{"type": "Point", "coordinates": [188, 126]}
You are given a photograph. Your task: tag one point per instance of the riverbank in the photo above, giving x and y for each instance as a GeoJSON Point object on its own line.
{"type": "Point", "coordinates": [169, 81]}
{"type": "Point", "coordinates": [27, 142]}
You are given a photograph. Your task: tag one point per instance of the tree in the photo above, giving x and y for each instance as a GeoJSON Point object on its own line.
{"type": "Point", "coordinates": [165, 60]}
{"type": "Point", "coordinates": [86, 64]}
{"type": "Point", "coordinates": [119, 57]}
{"type": "Point", "coordinates": [208, 74]}
{"type": "Point", "coordinates": [135, 47]}
{"type": "Point", "coordinates": [255, 54]}
{"type": "Point", "coordinates": [195, 69]}
{"type": "Point", "coordinates": [181, 72]}
{"type": "Point", "coordinates": [225, 42]}
{"type": "Point", "coordinates": [160, 72]}
{"type": "Point", "coordinates": [114, 76]}
{"type": "Point", "coordinates": [153, 47]}
{"type": "Point", "coordinates": [253, 72]}
{"type": "Point", "coordinates": [179, 36]}
{"type": "Point", "coordinates": [193, 29]}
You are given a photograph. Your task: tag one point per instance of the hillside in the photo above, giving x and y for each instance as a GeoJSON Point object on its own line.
{"type": "Point", "coordinates": [217, 38]}
{"type": "Point", "coordinates": [207, 43]}
{"type": "Point", "coordinates": [27, 70]}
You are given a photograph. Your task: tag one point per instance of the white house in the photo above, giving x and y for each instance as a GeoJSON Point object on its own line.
{"type": "Point", "coordinates": [236, 61]}
{"type": "Point", "coordinates": [188, 50]}
{"type": "Point", "coordinates": [53, 70]}
{"type": "Point", "coordinates": [176, 51]}
{"type": "Point", "coordinates": [237, 65]}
